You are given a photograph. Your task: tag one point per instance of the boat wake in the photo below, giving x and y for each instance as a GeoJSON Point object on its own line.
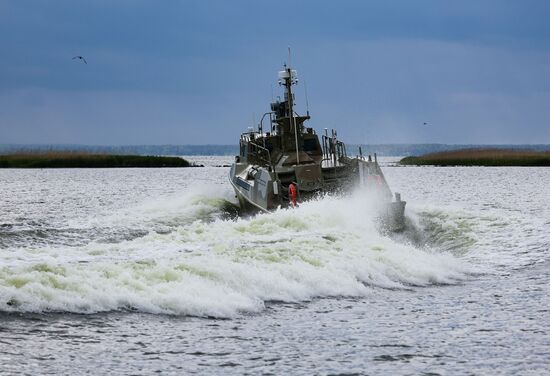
{"type": "Point", "coordinates": [194, 256]}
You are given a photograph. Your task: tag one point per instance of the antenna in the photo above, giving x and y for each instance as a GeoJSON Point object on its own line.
{"type": "Point", "coordinates": [307, 102]}
{"type": "Point", "coordinates": [289, 64]}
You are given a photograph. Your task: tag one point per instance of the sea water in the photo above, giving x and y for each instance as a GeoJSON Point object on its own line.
{"type": "Point", "coordinates": [136, 271]}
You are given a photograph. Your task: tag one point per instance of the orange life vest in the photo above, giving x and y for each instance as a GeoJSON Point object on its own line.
{"type": "Point", "coordinates": [292, 194]}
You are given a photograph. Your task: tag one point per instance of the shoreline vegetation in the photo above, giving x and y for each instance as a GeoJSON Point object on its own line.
{"type": "Point", "coordinates": [79, 159]}
{"type": "Point", "coordinates": [481, 157]}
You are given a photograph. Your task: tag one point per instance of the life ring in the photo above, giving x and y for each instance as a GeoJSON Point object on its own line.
{"type": "Point", "coordinates": [292, 194]}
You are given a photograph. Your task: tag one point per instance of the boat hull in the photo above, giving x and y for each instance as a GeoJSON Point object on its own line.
{"type": "Point", "coordinates": [258, 189]}
{"type": "Point", "coordinates": [255, 187]}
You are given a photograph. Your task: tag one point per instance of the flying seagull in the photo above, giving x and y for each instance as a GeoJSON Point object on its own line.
{"type": "Point", "coordinates": [81, 58]}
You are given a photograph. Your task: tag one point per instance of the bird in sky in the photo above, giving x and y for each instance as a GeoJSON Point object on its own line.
{"type": "Point", "coordinates": [425, 123]}
{"type": "Point", "coordinates": [81, 58]}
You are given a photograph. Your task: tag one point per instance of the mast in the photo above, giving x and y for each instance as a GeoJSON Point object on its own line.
{"type": "Point", "coordinates": [291, 106]}
{"type": "Point", "coordinates": [289, 77]}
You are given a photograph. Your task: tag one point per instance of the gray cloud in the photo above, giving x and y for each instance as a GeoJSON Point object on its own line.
{"type": "Point", "coordinates": [196, 72]}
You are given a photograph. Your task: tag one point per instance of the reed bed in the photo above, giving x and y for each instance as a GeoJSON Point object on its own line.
{"type": "Point", "coordinates": [78, 159]}
{"type": "Point", "coordinates": [482, 157]}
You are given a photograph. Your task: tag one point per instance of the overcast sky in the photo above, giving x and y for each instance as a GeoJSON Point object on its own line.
{"type": "Point", "coordinates": [198, 72]}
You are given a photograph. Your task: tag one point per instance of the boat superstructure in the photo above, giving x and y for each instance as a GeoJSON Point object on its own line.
{"type": "Point", "coordinates": [284, 162]}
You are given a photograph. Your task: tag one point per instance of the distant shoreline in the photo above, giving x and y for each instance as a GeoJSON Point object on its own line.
{"type": "Point", "coordinates": [64, 159]}
{"type": "Point", "coordinates": [401, 150]}
{"type": "Point", "coordinates": [481, 157]}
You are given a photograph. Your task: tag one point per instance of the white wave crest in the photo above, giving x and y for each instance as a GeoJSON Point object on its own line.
{"type": "Point", "coordinates": [329, 247]}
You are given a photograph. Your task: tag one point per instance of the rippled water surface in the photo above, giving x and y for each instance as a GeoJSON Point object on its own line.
{"type": "Point", "coordinates": [136, 271]}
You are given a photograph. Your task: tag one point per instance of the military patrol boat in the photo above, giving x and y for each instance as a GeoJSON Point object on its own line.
{"type": "Point", "coordinates": [284, 162]}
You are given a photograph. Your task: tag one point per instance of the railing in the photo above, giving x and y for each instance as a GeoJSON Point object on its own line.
{"type": "Point", "coordinates": [260, 153]}
{"type": "Point", "coordinates": [333, 149]}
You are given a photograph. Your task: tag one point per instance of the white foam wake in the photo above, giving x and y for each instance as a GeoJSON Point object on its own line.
{"type": "Point", "coordinates": [217, 267]}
